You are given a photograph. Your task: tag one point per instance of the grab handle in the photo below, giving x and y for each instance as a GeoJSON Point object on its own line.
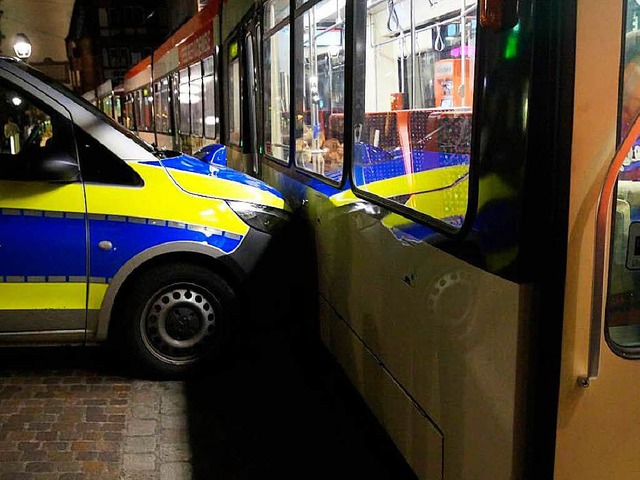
{"type": "Point", "coordinates": [599, 285]}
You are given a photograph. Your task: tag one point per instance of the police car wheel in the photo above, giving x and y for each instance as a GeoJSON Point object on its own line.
{"type": "Point", "coordinates": [174, 317]}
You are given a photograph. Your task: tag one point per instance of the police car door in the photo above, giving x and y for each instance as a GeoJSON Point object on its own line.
{"type": "Point", "coordinates": [43, 256]}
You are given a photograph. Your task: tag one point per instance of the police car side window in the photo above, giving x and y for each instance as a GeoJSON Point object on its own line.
{"type": "Point", "coordinates": [99, 165]}
{"type": "Point", "coordinates": [32, 134]}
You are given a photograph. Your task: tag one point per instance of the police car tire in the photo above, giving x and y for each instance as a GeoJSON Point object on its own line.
{"type": "Point", "coordinates": [210, 300]}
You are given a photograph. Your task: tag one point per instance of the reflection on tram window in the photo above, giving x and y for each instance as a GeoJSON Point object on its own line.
{"type": "Point", "coordinates": [234, 98]}
{"type": "Point", "coordinates": [162, 106]}
{"type": "Point", "coordinates": [276, 94]}
{"type": "Point", "coordinates": [623, 302]}
{"type": "Point", "coordinates": [195, 98]}
{"type": "Point", "coordinates": [413, 145]}
{"type": "Point", "coordinates": [129, 116]}
{"type": "Point", "coordinates": [185, 114]}
{"type": "Point", "coordinates": [147, 108]}
{"type": "Point", "coordinates": [208, 89]}
{"type": "Point", "coordinates": [319, 121]}
{"type": "Point", "coordinates": [275, 11]}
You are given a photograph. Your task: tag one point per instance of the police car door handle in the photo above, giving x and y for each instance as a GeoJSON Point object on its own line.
{"type": "Point", "coordinates": [105, 245]}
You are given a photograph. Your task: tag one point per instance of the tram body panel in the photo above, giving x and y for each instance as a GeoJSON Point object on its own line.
{"type": "Point", "coordinates": [597, 434]}
{"type": "Point", "coordinates": [410, 323]}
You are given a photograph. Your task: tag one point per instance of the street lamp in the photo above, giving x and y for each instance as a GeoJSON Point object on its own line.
{"type": "Point", "coordinates": [22, 46]}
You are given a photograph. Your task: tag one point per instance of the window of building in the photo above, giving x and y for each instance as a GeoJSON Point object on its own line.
{"type": "Point", "coordinates": [413, 145]}
{"type": "Point", "coordinates": [319, 122]}
{"type": "Point", "coordinates": [115, 17]}
{"type": "Point", "coordinates": [195, 98]}
{"type": "Point", "coordinates": [277, 74]}
{"type": "Point", "coordinates": [209, 98]}
{"type": "Point", "coordinates": [103, 19]}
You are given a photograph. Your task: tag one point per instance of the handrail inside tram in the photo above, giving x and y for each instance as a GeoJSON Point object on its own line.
{"type": "Point", "coordinates": [599, 282]}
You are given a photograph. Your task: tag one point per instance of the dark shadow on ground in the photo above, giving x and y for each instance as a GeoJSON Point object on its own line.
{"type": "Point", "coordinates": [276, 405]}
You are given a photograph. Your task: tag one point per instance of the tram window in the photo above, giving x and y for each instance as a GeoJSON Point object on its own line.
{"type": "Point", "coordinates": [623, 300]}
{"type": "Point", "coordinates": [129, 116]}
{"type": "Point", "coordinates": [185, 114]}
{"type": "Point", "coordinates": [234, 101]}
{"type": "Point", "coordinates": [107, 106]}
{"type": "Point", "coordinates": [195, 98]}
{"type": "Point", "coordinates": [413, 141]}
{"type": "Point", "coordinates": [147, 108]}
{"type": "Point", "coordinates": [208, 90]}
{"type": "Point", "coordinates": [319, 121]}
{"type": "Point", "coordinates": [276, 94]}
{"type": "Point", "coordinates": [162, 110]}
{"type": "Point", "coordinates": [275, 11]}
{"type": "Point", "coordinates": [139, 111]}
{"type": "Point", "coordinates": [117, 109]}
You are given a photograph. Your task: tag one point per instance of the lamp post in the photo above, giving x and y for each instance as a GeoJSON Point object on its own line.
{"type": "Point", "coordinates": [22, 46]}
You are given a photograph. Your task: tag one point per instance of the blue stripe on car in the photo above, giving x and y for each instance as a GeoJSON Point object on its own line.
{"type": "Point", "coordinates": [130, 239]}
{"type": "Point", "coordinates": [25, 253]}
{"type": "Point", "coordinates": [25, 248]}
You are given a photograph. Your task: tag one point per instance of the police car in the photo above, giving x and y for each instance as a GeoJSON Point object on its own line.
{"type": "Point", "coordinates": [104, 237]}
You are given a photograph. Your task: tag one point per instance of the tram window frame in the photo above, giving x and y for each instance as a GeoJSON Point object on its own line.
{"type": "Point", "coordinates": [195, 83]}
{"type": "Point", "coordinates": [279, 17]}
{"type": "Point", "coordinates": [162, 105]}
{"type": "Point", "coordinates": [130, 113]}
{"type": "Point", "coordinates": [359, 74]}
{"type": "Point", "coordinates": [147, 107]}
{"type": "Point", "coordinates": [232, 59]}
{"type": "Point", "coordinates": [299, 81]}
{"type": "Point", "coordinates": [209, 97]}
{"type": "Point", "coordinates": [140, 110]}
{"type": "Point", "coordinates": [269, 34]}
{"type": "Point", "coordinates": [184, 117]}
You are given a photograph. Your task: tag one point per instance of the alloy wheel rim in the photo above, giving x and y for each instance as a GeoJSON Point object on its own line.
{"type": "Point", "coordinates": [178, 324]}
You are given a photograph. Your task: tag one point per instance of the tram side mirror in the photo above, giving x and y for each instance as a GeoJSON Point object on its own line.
{"type": "Point", "coordinates": [498, 15]}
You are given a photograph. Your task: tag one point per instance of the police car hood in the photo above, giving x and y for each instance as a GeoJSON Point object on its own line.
{"type": "Point", "coordinates": [200, 178]}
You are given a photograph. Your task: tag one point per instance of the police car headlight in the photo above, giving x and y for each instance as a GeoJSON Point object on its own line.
{"type": "Point", "coordinates": [263, 218]}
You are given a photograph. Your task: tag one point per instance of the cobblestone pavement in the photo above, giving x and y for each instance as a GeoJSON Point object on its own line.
{"type": "Point", "coordinates": [266, 411]}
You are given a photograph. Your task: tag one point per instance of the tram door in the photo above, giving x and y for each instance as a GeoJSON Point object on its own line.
{"type": "Point", "coordinates": [598, 423]}
{"type": "Point", "coordinates": [252, 75]}
{"type": "Point", "coordinates": [243, 93]}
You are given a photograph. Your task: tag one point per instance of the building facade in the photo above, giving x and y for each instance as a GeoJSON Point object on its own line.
{"type": "Point", "coordinates": [107, 37]}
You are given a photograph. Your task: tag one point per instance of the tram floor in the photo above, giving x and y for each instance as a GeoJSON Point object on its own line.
{"type": "Point", "coordinates": [275, 407]}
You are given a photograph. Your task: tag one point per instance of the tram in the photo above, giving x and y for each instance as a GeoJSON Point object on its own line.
{"type": "Point", "coordinates": [468, 172]}
{"type": "Point", "coordinates": [110, 100]}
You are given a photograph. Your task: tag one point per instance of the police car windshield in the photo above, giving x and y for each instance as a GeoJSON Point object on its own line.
{"type": "Point", "coordinates": [88, 106]}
